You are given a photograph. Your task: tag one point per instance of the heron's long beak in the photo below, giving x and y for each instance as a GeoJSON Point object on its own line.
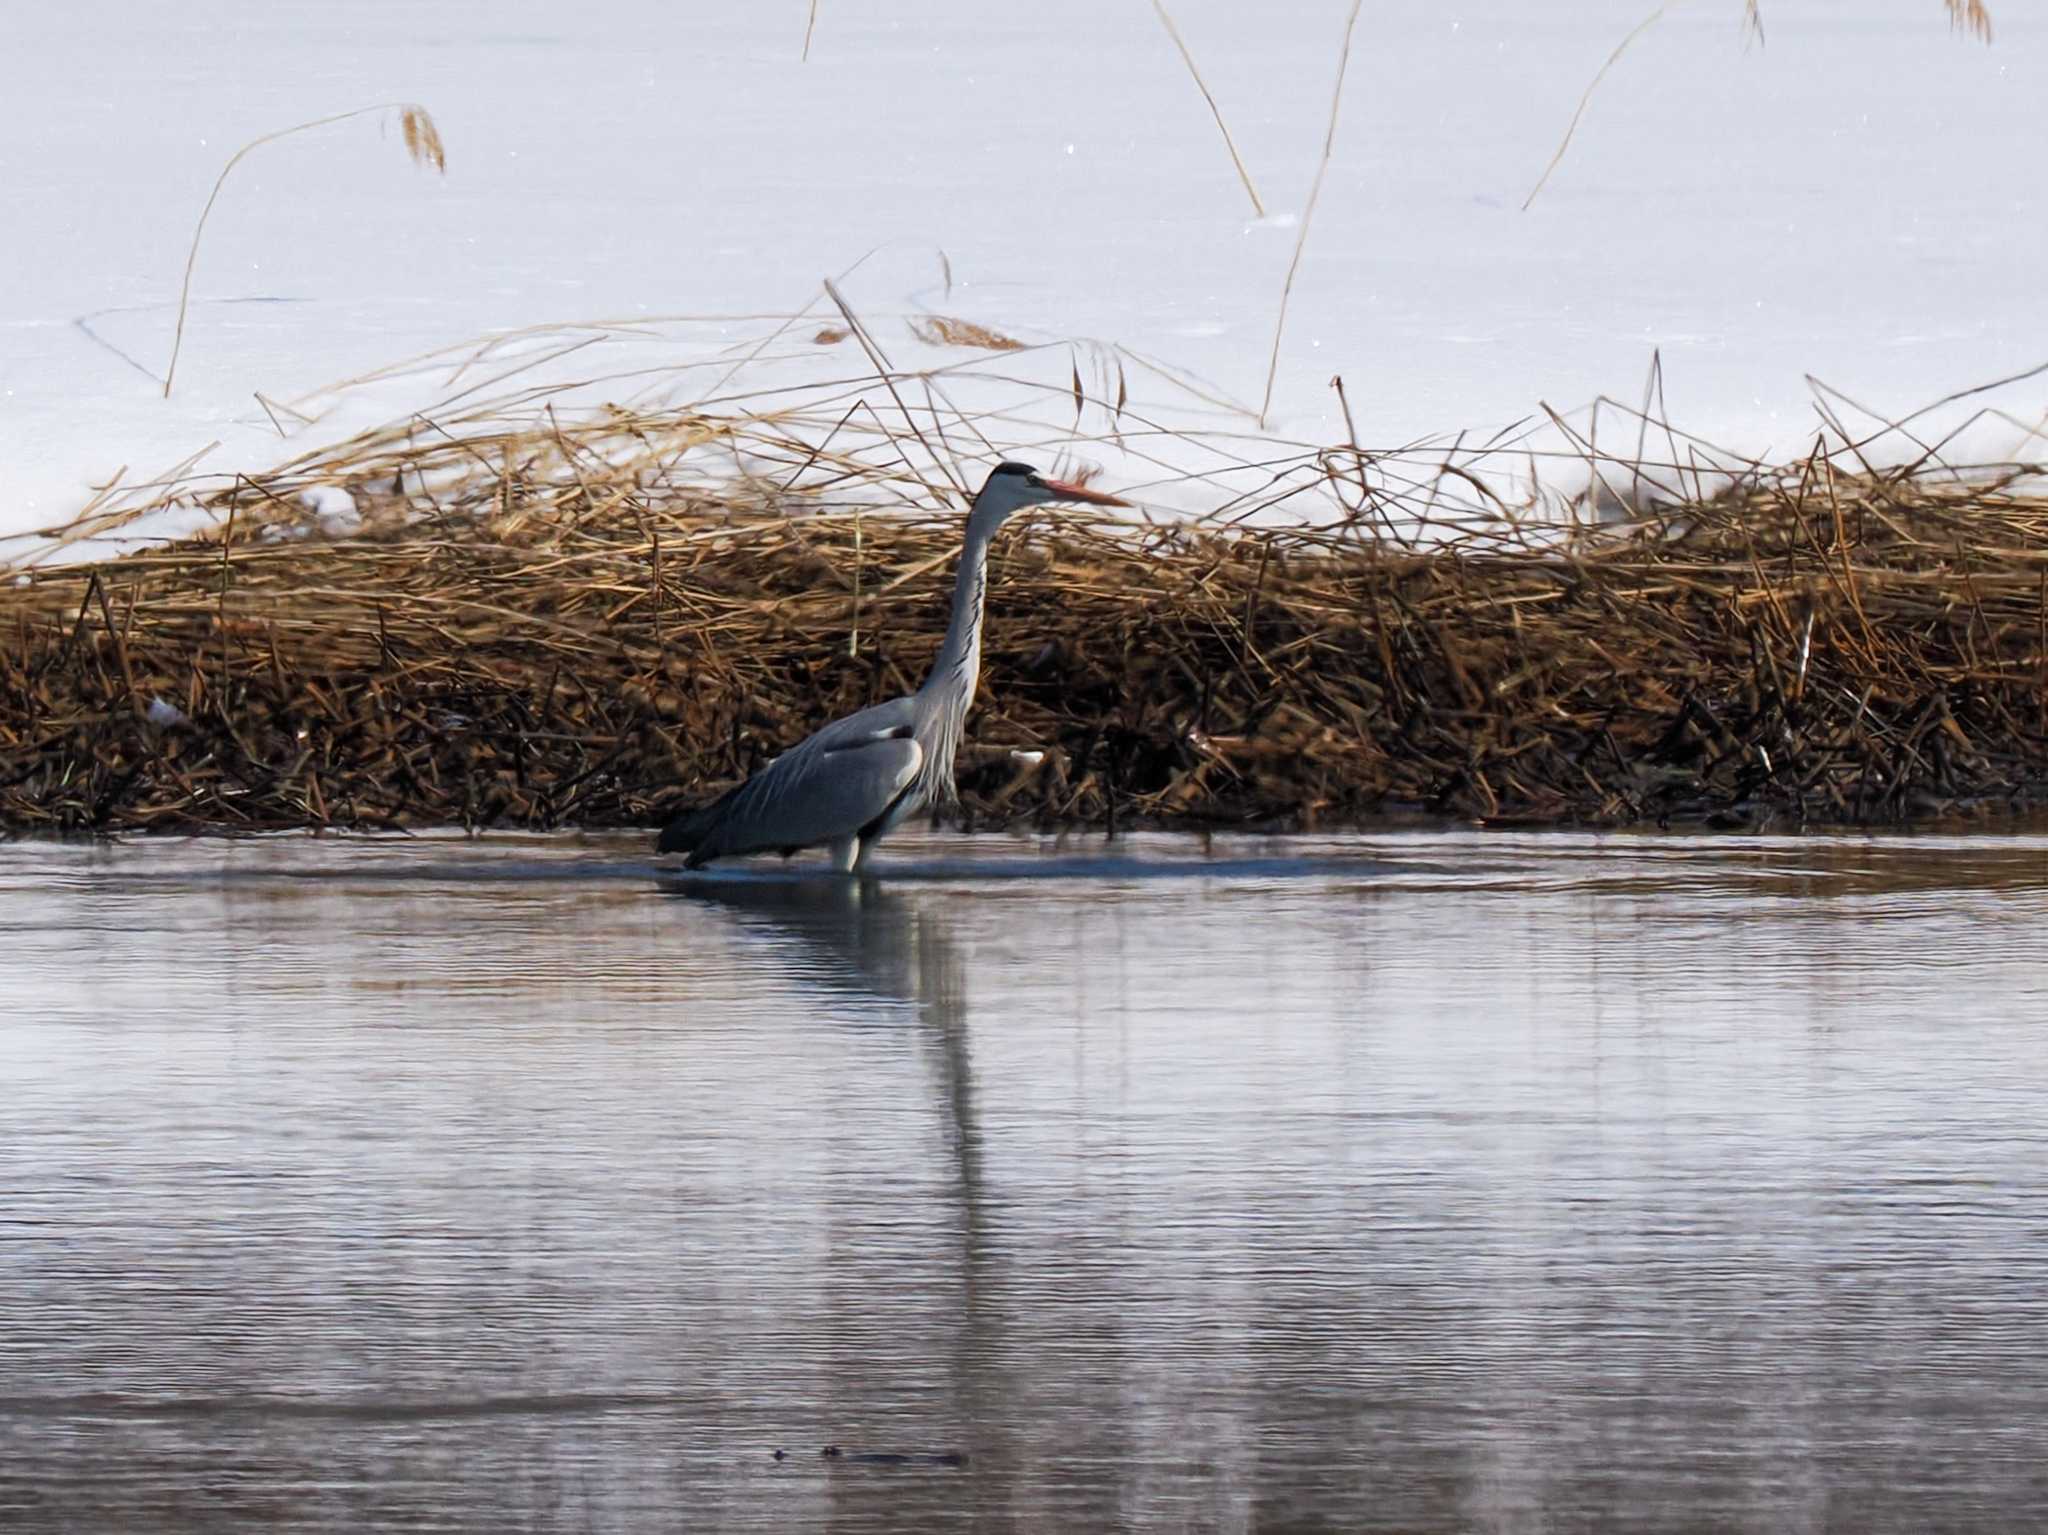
{"type": "Point", "coordinates": [1066, 492]}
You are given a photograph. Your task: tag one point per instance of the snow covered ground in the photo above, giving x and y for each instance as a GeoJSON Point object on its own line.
{"type": "Point", "coordinates": [1860, 199]}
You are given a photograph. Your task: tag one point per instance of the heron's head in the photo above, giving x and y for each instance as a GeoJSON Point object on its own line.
{"type": "Point", "coordinates": [1012, 487]}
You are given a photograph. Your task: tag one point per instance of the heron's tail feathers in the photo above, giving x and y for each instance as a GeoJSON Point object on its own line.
{"type": "Point", "coordinates": [687, 831]}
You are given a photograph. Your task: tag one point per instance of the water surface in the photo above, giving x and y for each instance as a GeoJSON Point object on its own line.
{"type": "Point", "coordinates": [1423, 1182]}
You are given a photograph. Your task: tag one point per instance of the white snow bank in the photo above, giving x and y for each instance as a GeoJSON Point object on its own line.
{"type": "Point", "coordinates": [1858, 200]}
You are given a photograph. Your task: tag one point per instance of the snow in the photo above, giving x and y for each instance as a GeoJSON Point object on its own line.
{"type": "Point", "coordinates": [165, 716]}
{"type": "Point", "coordinates": [657, 186]}
{"type": "Point", "coordinates": [333, 510]}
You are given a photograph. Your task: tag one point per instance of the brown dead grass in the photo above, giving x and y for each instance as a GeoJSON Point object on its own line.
{"type": "Point", "coordinates": [538, 630]}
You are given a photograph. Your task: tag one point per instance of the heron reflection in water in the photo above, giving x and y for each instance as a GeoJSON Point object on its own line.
{"type": "Point", "coordinates": [857, 936]}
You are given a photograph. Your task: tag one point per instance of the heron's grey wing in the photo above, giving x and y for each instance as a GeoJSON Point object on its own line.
{"type": "Point", "coordinates": [828, 785]}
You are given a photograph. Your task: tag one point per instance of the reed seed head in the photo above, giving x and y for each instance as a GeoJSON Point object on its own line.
{"type": "Point", "coordinates": [422, 138]}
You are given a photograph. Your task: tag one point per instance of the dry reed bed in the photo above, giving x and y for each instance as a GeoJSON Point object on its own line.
{"type": "Point", "coordinates": [545, 649]}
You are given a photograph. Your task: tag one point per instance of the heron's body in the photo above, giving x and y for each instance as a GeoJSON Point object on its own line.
{"type": "Point", "coordinates": [849, 784]}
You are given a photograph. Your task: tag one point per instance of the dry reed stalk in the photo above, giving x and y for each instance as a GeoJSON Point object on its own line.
{"type": "Point", "coordinates": [1593, 85]}
{"type": "Point", "coordinates": [810, 26]}
{"type": "Point", "coordinates": [422, 144]}
{"type": "Point", "coordinates": [1237, 161]}
{"type": "Point", "coordinates": [1970, 16]}
{"type": "Point", "coordinates": [886, 371]}
{"type": "Point", "coordinates": [1308, 211]}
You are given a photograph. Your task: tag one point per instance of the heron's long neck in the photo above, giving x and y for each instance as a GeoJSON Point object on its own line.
{"type": "Point", "coordinates": [949, 690]}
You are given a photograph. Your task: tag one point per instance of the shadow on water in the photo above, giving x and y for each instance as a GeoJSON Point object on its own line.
{"type": "Point", "coordinates": [1106, 867]}
{"type": "Point", "coordinates": [857, 931]}
{"type": "Point", "coordinates": [859, 936]}
{"type": "Point", "coordinates": [809, 880]}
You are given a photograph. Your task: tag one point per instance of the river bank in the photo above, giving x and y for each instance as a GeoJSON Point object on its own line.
{"type": "Point", "coordinates": [489, 641]}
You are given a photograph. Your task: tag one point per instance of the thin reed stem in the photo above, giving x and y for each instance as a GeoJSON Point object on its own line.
{"type": "Point", "coordinates": [1594, 84]}
{"type": "Point", "coordinates": [1308, 211]}
{"type": "Point", "coordinates": [1187, 58]}
{"type": "Point", "coordinates": [422, 143]}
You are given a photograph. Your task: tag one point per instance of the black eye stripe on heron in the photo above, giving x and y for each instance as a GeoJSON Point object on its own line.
{"type": "Point", "coordinates": [846, 785]}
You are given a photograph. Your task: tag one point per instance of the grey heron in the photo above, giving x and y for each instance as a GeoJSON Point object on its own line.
{"type": "Point", "coordinates": [845, 786]}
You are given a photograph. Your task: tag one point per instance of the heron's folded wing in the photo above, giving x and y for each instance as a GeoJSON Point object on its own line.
{"type": "Point", "coordinates": [735, 821]}
{"type": "Point", "coordinates": [897, 717]}
{"type": "Point", "coordinates": [829, 786]}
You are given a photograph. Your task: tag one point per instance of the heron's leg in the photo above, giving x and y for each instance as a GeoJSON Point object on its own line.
{"type": "Point", "coordinates": [860, 859]}
{"type": "Point", "coordinates": [846, 854]}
